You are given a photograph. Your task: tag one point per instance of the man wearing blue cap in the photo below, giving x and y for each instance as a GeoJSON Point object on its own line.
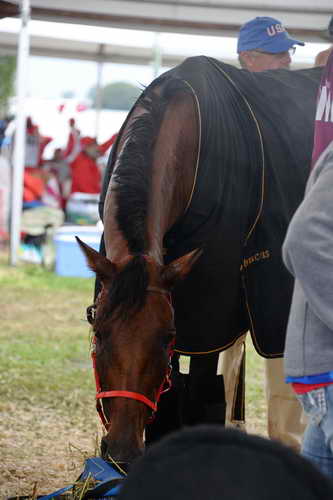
{"type": "Point", "coordinates": [264, 43]}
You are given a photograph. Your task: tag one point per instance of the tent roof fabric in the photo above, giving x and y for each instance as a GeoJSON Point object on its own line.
{"type": "Point", "coordinates": [88, 51]}
{"type": "Point", "coordinates": [303, 20]}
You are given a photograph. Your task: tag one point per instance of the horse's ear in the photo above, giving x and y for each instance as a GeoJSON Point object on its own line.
{"type": "Point", "coordinates": [102, 266]}
{"type": "Point", "coordinates": [179, 268]}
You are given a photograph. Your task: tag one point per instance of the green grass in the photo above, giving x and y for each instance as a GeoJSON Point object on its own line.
{"type": "Point", "coordinates": [44, 339]}
{"type": "Point", "coordinates": [255, 401]}
{"type": "Point", "coordinates": [30, 275]}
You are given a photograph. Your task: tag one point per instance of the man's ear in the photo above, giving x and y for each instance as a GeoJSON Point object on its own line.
{"type": "Point", "coordinates": [247, 59]}
{"type": "Point", "coordinates": [102, 266]}
{"type": "Point", "coordinates": [179, 268]}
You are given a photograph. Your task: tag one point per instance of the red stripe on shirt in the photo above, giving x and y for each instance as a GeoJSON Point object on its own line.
{"type": "Point", "coordinates": [303, 388]}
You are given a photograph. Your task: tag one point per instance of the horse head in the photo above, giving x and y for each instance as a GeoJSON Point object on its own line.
{"type": "Point", "coordinates": [134, 332]}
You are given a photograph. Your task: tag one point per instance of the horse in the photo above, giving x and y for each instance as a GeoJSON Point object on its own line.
{"type": "Point", "coordinates": [207, 170]}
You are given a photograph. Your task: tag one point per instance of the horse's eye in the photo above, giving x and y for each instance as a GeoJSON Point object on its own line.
{"type": "Point", "coordinates": [91, 314]}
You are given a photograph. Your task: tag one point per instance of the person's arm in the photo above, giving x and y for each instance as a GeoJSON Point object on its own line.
{"type": "Point", "coordinates": [69, 146]}
{"type": "Point", "coordinates": [321, 58]}
{"type": "Point", "coordinates": [308, 247]}
{"type": "Point", "coordinates": [105, 146]}
{"type": "Point", "coordinates": [44, 141]}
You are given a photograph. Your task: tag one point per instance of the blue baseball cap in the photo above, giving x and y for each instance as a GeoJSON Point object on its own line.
{"type": "Point", "coordinates": [266, 34]}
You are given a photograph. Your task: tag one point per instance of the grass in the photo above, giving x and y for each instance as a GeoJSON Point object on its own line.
{"type": "Point", "coordinates": [255, 401]}
{"type": "Point", "coordinates": [46, 382]}
{"type": "Point", "coordinates": [44, 339]}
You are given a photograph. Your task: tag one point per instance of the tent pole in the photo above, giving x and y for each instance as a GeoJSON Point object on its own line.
{"type": "Point", "coordinates": [20, 131]}
{"type": "Point", "coordinates": [157, 56]}
{"type": "Point", "coordinates": [99, 90]}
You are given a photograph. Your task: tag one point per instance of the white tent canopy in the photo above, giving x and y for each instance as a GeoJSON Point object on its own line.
{"type": "Point", "coordinates": [305, 19]}
{"type": "Point", "coordinates": [91, 51]}
{"type": "Point", "coordinates": [76, 49]}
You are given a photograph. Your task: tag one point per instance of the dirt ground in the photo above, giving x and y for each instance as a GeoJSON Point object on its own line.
{"type": "Point", "coordinates": [45, 451]}
{"type": "Point", "coordinates": [41, 448]}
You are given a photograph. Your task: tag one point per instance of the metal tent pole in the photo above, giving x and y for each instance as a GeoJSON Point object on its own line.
{"type": "Point", "coordinates": [99, 90]}
{"type": "Point", "coordinates": [20, 131]}
{"type": "Point", "coordinates": [157, 55]}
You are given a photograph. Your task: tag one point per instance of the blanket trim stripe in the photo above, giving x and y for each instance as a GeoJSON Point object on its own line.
{"type": "Point", "coordinates": [228, 77]}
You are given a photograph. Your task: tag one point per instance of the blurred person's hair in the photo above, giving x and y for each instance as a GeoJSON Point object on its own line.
{"type": "Point", "coordinates": [213, 463]}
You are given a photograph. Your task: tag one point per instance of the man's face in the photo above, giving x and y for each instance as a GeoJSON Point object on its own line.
{"type": "Point", "coordinates": [256, 60]}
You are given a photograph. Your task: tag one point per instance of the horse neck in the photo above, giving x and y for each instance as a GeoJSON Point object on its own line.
{"type": "Point", "coordinates": [174, 162]}
{"type": "Point", "coordinates": [172, 181]}
{"type": "Point", "coordinates": [170, 192]}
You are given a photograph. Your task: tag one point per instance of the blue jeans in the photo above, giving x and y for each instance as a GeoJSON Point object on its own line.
{"type": "Point", "coordinates": [318, 437]}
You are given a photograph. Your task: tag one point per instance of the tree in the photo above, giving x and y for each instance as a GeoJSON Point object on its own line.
{"type": "Point", "coordinates": [7, 72]}
{"type": "Point", "coordinates": [118, 95]}
{"type": "Point", "coordinates": [68, 94]}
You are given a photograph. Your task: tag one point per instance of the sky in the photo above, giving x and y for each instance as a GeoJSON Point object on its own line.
{"type": "Point", "coordinates": [50, 77]}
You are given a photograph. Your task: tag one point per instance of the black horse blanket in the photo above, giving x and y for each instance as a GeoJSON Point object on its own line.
{"type": "Point", "coordinates": [256, 143]}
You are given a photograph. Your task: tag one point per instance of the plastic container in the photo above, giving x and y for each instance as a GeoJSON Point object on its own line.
{"type": "Point", "coordinates": [82, 208]}
{"type": "Point", "coordinates": [69, 258]}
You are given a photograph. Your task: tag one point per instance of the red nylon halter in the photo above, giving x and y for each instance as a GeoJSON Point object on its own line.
{"type": "Point", "coordinates": [165, 386]}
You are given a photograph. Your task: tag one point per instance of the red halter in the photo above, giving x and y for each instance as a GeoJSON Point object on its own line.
{"type": "Point", "coordinates": [165, 386]}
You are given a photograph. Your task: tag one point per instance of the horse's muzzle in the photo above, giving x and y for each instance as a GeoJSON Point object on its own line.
{"type": "Point", "coordinates": [118, 454]}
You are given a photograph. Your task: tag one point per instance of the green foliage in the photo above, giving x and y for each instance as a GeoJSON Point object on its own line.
{"type": "Point", "coordinates": [7, 72]}
{"type": "Point", "coordinates": [68, 94]}
{"type": "Point", "coordinates": [117, 96]}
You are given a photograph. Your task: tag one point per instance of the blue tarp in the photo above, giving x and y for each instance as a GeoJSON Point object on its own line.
{"type": "Point", "coordinates": [101, 471]}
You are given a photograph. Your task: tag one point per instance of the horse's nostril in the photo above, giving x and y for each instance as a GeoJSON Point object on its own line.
{"type": "Point", "coordinates": [117, 457]}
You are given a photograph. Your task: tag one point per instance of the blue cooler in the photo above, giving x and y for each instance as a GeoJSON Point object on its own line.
{"type": "Point", "coordinates": [69, 260]}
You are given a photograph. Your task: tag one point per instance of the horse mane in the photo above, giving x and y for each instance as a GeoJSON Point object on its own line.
{"type": "Point", "coordinates": [128, 290]}
{"type": "Point", "coordinates": [131, 180]}
{"type": "Point", "coordinates": [131, 183]}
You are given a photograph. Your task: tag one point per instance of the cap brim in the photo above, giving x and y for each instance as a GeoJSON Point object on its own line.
{"type": "Point", "coordinates": [281, 45]}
